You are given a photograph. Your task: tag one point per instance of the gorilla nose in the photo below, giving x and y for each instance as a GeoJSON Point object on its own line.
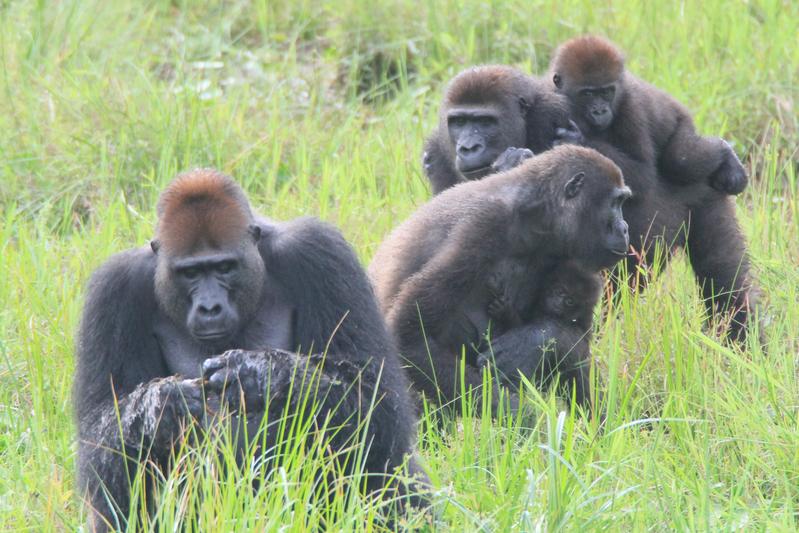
{"type": "Point", "coordinates": [470, 148]}
{"type": "Point", "coordinates": [209, 310]}
{"type": "Point", "coordinates": [602, 111]}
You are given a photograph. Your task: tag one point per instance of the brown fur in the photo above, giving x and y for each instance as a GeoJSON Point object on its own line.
{"type": "Point", "coordinates": [592, 59]}
{"type": "Point", "coordinates": [431, 274]}
{"type": "Point", "coordinates": [531, 116]}
{"type": "Point", "coordinates": [487, 83]}
{"type": "Point", "coordinates": [201, 208]}
{"type": "Point", "coordinates": [679, 179]}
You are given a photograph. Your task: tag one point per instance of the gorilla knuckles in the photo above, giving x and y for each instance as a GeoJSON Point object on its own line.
{"type": "Point", "coordinates": [210, 273]}
{"type": "Point", "coordinates": [636, 117]}
{"type": "Point", "coordinates": [485, 111]}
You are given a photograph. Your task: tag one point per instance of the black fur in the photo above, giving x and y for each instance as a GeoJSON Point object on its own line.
{"type": "Point", "coordinates": [122, 363]}
{"type": "Point", "coordinates": [547, 336]}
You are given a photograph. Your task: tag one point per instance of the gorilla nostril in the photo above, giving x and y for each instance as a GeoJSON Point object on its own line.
{"type": "Point", "coordinates": [212, 311]}
{"type": "Point", "coordinates": [469, 149]}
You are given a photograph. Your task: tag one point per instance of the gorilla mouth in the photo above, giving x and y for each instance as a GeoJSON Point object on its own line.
{"type": "Point", "coordinates": [206, 336]}
{"type": "Point", "coordinates": [476, 172]}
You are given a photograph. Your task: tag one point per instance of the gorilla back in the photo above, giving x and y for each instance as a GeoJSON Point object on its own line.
{"type": "Point", "coordinates": [217, 278]}
{"type": "Point", "coordinates": [432, 273]}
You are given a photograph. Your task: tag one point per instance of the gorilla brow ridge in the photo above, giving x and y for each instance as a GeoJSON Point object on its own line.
{"type": "Point", "coordinates": [201, 207]}
{"type": "Point", "coordinates": [589, 60]}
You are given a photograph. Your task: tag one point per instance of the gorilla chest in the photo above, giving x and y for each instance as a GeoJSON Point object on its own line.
{"type": "Point", "coordinates": [271, 327]}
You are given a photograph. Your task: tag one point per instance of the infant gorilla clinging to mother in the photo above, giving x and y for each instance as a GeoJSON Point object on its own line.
{"type": "Point", "coordinates": [435, 275]}
{"type": "Point", "coordinates": [558, 323]}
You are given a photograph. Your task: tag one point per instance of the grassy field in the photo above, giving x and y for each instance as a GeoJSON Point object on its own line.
{"type": "Point", "coordinates": [321, 107]}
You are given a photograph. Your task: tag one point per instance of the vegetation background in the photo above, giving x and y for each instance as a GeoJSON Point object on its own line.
{"type": "Point", "coordinates": [321, 107]}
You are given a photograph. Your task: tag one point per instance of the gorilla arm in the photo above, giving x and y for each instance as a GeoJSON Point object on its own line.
{"type": "Point", "coordinates": [428, 316]}
{"type": "Point", "coordinates": [688, 157]}
{"type": "Point", "coordinates": [438, 166]}
{"type": "Point", "coordinates": [336, 315]}
{"type": "Point", "coordinates": [123, 410]}
{"type": "Point", "coordinates": [539, 351]}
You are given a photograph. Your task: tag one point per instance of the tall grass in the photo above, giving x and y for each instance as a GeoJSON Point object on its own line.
{"type": "Point", "coordinates": [102, 102]}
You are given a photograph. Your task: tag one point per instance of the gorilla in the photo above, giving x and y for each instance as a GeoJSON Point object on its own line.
{"type": "Point", "coordinates": [433, 273]}
{"type": "Point", "coordinates": [680, 180]}
{"type": "Point", "coordinates": [545, 337]}
{"type": "Point", "coordinates": [491, 119]}
{"type": "Point", "coordinates": [611, 104]}
{"type": "Point", "coordinates": [217, 278]}
{"type": "Point", "coordinates": [663, 214]}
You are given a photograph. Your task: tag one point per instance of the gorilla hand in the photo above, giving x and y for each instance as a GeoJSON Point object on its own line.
{"type": "Point", "coordinates": [510, 158]}
{"type": "Point", "coordinates": [500, 308]}
{"type": "Point", "coordinates": [568, 135]}
{"type": "Point", "coordinates": [731, 176]}
{"type": "Point", "coordinates": [240, 377]}
{"type": "Point", "coordinates": [162, 408]}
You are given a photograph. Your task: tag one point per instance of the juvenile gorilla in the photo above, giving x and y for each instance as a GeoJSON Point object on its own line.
{"type": "Point", "coordinates": [679, 179]}
{"type": "Point", "coordinates": [491, 118]}
{"type": "Point", "coordinates": [557, 326]}
{"type": "Point", "coordinates": [663, 214]}
{"type": "Point", "coordinates": [216, 278]}
{"type": "Point", "coordinates": [432, 273]}
{"type": "Point", "coordinates": [612, 105]}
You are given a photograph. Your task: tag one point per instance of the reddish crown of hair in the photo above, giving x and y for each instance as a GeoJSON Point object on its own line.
{"type": "Point", "coordinates": [201, 209]}
{"type": "Point", "coordinates": [589, 60]}
{"type": "Point", "coordinates": [475, 85]}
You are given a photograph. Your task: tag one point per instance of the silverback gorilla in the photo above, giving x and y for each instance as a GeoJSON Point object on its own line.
{"type": "Point", "coordinates": [433, 273]}
{"type": "Point", "coordinates": [491, 118]}
{"type": "Point", "coordinates": [217, 278]}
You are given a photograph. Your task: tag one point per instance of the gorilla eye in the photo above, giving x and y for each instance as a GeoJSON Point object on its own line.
{"type": "Point", "coordinates": [225, 266]}
{"type": "Point", "coordinates": [486, 121]}
{"type": "Point", "coordinates": [457, 121]}
{"type": "Point", "coordinates": [190, 273]}
{"type": "Point", "coordinates": [569, 301]}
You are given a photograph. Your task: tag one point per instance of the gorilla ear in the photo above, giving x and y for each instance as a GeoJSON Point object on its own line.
{"type": "Point", "coordinates": [558, 81]}
{"type": "Point", "coordinates": [155, 245]}
{"type": "Point", "coordinates": [255, 232]}
{"type": "Point", "coordinates": [524, 104]}
{"type": "Point", "coordinates": [574, 185]}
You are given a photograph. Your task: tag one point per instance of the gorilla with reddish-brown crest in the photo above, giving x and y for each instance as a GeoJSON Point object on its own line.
{"type": "Point", "coordinates": [218, 278]}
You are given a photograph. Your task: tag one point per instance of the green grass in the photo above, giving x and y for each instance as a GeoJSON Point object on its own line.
{"type": "Point", "coordinates": [102, 102]}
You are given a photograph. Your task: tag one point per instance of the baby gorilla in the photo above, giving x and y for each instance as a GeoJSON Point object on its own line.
{"type": "Point", "coordinates": [558, 325]}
